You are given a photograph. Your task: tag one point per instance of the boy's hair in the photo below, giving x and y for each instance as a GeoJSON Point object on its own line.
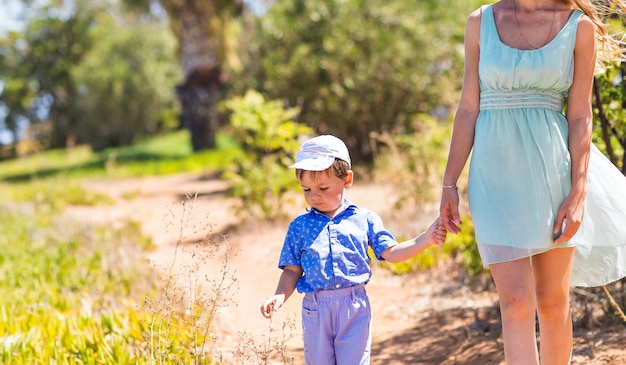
{"type": "Point", "coordinates": [339, 168]}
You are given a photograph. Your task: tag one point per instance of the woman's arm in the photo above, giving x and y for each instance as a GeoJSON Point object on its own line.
{"type": "Point", "coordinates": [579, 119]}
{"type": "Point", "coordinates": [464, 124]}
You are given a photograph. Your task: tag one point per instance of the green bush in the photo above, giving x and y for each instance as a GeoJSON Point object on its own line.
{"type": "Point", "coordinates": [464, 248]}
{"type": "Point", "coordinates": [356, 67]}
{"type": "Point", "coordinates": [609, 128]}
{"type": "Point", "coordinates": [269, 138]}
{"type": "Point", "coordinates": [461, 247]}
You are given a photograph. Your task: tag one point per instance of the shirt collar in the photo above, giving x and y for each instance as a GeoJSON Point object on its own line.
{"type": "Point", "coordinates": [347, 204]}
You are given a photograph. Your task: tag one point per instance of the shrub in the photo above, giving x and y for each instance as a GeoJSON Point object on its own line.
{"type": "Point", "coordinates": [269, 137]}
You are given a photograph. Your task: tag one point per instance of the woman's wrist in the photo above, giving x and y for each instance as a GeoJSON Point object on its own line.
{"type": "Point", "coordinates": [449, 186]}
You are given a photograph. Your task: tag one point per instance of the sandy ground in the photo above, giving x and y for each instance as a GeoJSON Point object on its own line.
{"type": "Point", "coordinates": [436, 317]}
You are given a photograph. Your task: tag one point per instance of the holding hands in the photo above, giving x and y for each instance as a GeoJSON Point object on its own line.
{"type": "Point", "coordinates": [437, 232]}
{"type": "Point", "coordinates": [449, 209]}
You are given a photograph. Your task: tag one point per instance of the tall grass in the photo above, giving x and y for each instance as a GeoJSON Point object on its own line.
{"type": "Point", "coordinates": [195, 283]}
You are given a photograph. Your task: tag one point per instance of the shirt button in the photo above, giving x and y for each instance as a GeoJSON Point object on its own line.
{"type": "Point", "coordinates": [338, 286]}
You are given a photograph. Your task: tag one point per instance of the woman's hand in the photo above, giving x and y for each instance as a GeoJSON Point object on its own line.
{"type": "Point", "coordinates": [449, 209]}
{"type": "Point", "coordinates": [569, 217]}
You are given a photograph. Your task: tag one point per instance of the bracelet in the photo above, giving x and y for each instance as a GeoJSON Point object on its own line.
{"type": "Point", "coordinates": [451, 186]}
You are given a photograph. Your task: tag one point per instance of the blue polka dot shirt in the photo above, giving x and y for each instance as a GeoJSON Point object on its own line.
{"type": "Point", "coordinates": [333, 252]}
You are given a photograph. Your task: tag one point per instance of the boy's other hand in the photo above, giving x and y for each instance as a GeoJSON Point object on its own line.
{"type": "Point", "coordinates": [271, 305]}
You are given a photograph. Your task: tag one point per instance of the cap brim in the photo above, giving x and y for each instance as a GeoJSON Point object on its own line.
{"type": "Point", "coordinates": [316, 164]}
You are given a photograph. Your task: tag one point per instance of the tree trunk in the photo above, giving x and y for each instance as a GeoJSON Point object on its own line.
{"type": "Point", "coordinates": [196, 24]}
{"type": "Point", "coordinates": [199, 97]}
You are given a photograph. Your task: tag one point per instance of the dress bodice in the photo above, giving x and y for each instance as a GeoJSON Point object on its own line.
{"type": "Point", "coordinates": [550, 67]}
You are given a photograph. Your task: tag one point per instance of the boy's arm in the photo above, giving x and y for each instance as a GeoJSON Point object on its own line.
{"type": "Point", "coordinates": [286, 286]}
{"type": "Point", "coordinates": [434, 235]}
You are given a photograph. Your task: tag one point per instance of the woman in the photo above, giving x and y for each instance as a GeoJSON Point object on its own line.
{"type": "Point", "coordinates": [548, 207]}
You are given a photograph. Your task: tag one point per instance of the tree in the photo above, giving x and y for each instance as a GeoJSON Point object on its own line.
{"type": "Point", "coordinates": [205, 31]}
{"type": "Point", "coordinates": [354, 67]}
{"type": "Point", "coordinates": [125, 85]}
{"type": "Point", "coordinates": [36, 68]}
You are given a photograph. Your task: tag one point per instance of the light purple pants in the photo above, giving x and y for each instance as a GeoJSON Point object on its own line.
{"type": "Point", "coordinates": [337, 327]}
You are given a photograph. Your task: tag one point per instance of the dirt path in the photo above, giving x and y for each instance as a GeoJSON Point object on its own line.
{"type": "Point", "coordinates": [428, 318]}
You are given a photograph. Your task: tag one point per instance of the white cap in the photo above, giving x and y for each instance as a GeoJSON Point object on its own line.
{"type": "Point", "coordinates": [319, 153]}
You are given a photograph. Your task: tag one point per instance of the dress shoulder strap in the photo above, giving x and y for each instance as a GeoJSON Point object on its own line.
{"type": "Point", "coordinates": [571, 26]}
{"type": "Point", "coordinates": [487, 23]}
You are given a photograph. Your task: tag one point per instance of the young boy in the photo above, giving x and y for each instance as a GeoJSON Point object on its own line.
{"type": "Point", "coordinates": [325, 256]}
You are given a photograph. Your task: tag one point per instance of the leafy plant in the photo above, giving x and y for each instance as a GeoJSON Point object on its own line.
{"type": "Point", "coordinates": [126, 85]}
{"type": "Point", "coordinates": [269, 137]}
{"type": "Point", "coordinates": [461, 247]}
{"type": "Point", "coordinates": [69, 291]}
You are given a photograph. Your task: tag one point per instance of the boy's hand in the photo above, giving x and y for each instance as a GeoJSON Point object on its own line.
{"type": "Point", "coordinates": [272, 304]}
{"type": "Point", "coordinates": [438, 232]}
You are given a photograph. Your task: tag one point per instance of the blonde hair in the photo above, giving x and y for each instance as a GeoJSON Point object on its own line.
{"type": "Point", "coordinates": [611, 48]}
{"type": "Point", "coordinates": [339, 168]}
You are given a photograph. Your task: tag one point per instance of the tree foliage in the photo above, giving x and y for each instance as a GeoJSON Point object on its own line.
{"type": "Point", "coordinates": [126, 84]}
{"type": "Point", "coordinates": [36, 67]}
{"type": "Point", "coordinates": [90, 74]}
{"type": "Point", "coordinates": [609, 92]}
{"type": "Point", "coordinates": [354, 67]}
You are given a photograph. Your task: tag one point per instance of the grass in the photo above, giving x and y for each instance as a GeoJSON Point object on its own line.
{"type": "Point", "coordinates": [165, 154]}
{"type": "Point", "coordinates": [70, 292]}
{"type": "Point", "coordinates": [78, 293]}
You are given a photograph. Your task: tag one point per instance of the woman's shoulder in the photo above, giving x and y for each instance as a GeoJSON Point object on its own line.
{"type": "Point", "coordinates": [586, 30]}
{"type": "Point", "coordinates": [584, 21]}
{"type": "Point", "coordinates": [475, 15]}
{"type": "Point", "coordinates": [472, 26]}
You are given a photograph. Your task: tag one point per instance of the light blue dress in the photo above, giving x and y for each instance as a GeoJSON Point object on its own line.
{"type": "Point", "coordinates": [520, 165]}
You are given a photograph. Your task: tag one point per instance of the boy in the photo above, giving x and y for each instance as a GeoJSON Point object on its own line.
{"type": "Point", "coordinates": [325, 256]}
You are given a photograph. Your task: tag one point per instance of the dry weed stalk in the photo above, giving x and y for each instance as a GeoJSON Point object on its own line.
{"type": "Point", "coordinates": [183, 315]}
{"type": "Point", "coordinates": [594, 308]}
{"type": "Point", "coordinates": [269, 346]}
{"type": "Point", "coordinates": [613, 302]}
{"type": "Point", "coordinates": [196, 285]}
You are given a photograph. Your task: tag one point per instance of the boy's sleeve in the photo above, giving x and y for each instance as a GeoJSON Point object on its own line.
{"type": "Point", "coordinates": [380, 238]}
{"type": "Point", "coordinates": [290, 253]}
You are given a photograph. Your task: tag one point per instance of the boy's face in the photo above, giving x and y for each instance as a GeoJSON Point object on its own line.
{"type": "Point", "coordinates": [324, 191]}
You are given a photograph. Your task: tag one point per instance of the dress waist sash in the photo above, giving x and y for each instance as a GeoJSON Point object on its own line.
{"type": "Point", "coordinates": [521, 98]}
